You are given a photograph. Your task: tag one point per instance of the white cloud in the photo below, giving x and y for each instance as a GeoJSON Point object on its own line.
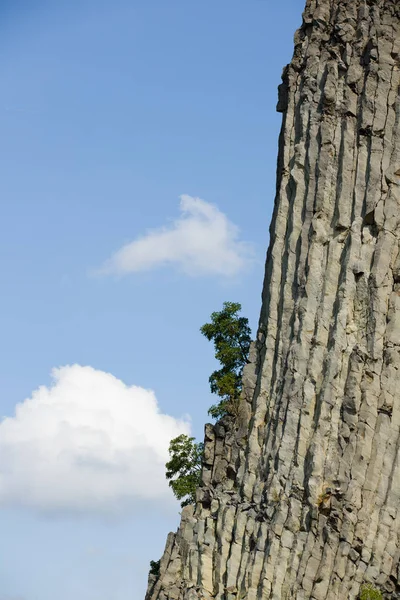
{"type": "Point", "coordinates": [202, 241]}
{"type": "Point", "coordinates": [89, 442]}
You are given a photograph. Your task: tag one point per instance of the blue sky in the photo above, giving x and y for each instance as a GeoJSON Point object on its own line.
{"type": "Point", "coordinates": [110, 113]}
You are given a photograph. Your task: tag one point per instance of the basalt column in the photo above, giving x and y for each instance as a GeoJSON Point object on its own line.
{"type": "Point", "coordinates": [300, 494]}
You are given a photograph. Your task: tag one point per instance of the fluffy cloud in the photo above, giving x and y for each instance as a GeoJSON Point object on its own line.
{"type": "Point", "coordinates": [88, 442]}
{"type": "Point", "coordinates": [202, 241]}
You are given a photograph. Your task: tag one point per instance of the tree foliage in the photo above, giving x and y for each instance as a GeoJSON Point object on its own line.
{"type": "Point", "coordinates": [184, 468]}
{"type": "Point", "coordinates": [231, 336]}
{"type": "Point", "coordinates": [155, 568]}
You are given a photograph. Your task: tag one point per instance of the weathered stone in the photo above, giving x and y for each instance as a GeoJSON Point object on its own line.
{"type": "Point", "coordinates": [300, 495]}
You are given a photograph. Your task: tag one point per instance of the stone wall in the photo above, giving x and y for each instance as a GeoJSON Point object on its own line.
{"type": "Point", "coordinates": [300, 496]}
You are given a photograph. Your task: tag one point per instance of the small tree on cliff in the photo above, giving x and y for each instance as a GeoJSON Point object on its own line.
{"type": "Point", "coordinates": [184, 468]}
{"type": "Point", "coordinates": [231, 336]}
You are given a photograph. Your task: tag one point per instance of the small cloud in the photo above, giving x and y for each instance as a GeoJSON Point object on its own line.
{"type": "Point", "coordinates": [202, 241]}
{"type": "Point", "coordinates": [89, 442]}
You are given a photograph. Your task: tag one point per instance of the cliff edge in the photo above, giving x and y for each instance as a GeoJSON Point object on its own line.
{"type": "Point", "coordinates": [300, 495]}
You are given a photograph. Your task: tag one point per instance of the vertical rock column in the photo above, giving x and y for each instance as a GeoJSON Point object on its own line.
{"type": "Point", "coordinates": [300, 495]}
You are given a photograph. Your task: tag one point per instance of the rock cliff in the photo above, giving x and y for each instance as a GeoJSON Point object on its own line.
{"type": "Point", "coordinates": [300, 495]}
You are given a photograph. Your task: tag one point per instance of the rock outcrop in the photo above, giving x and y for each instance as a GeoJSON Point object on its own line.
{"type": "Point", "coordinates": [300, 495]}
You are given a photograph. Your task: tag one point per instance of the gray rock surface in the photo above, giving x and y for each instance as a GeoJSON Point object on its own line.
{"type": "Point", "coordinates": [300, 496]}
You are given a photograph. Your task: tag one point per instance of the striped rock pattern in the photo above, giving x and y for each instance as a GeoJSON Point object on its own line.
{"type": "Point", "coordinates": [300, 495]}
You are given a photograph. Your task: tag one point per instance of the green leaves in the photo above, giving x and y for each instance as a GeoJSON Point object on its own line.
{"type": "Point", "coordinates": [231, 336]}
{"type": "Point", "coordinates": [184, 468]}
{"type": "Point", "coordinates": [155, 568]}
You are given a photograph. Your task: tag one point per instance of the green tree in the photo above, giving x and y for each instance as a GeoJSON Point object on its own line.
{"type": "Point", "coordinates": [184, 468]}
{"type": "Point", "coordinates": [231, 335]}
{"type": "Point", "coordinates": [155, 568]}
